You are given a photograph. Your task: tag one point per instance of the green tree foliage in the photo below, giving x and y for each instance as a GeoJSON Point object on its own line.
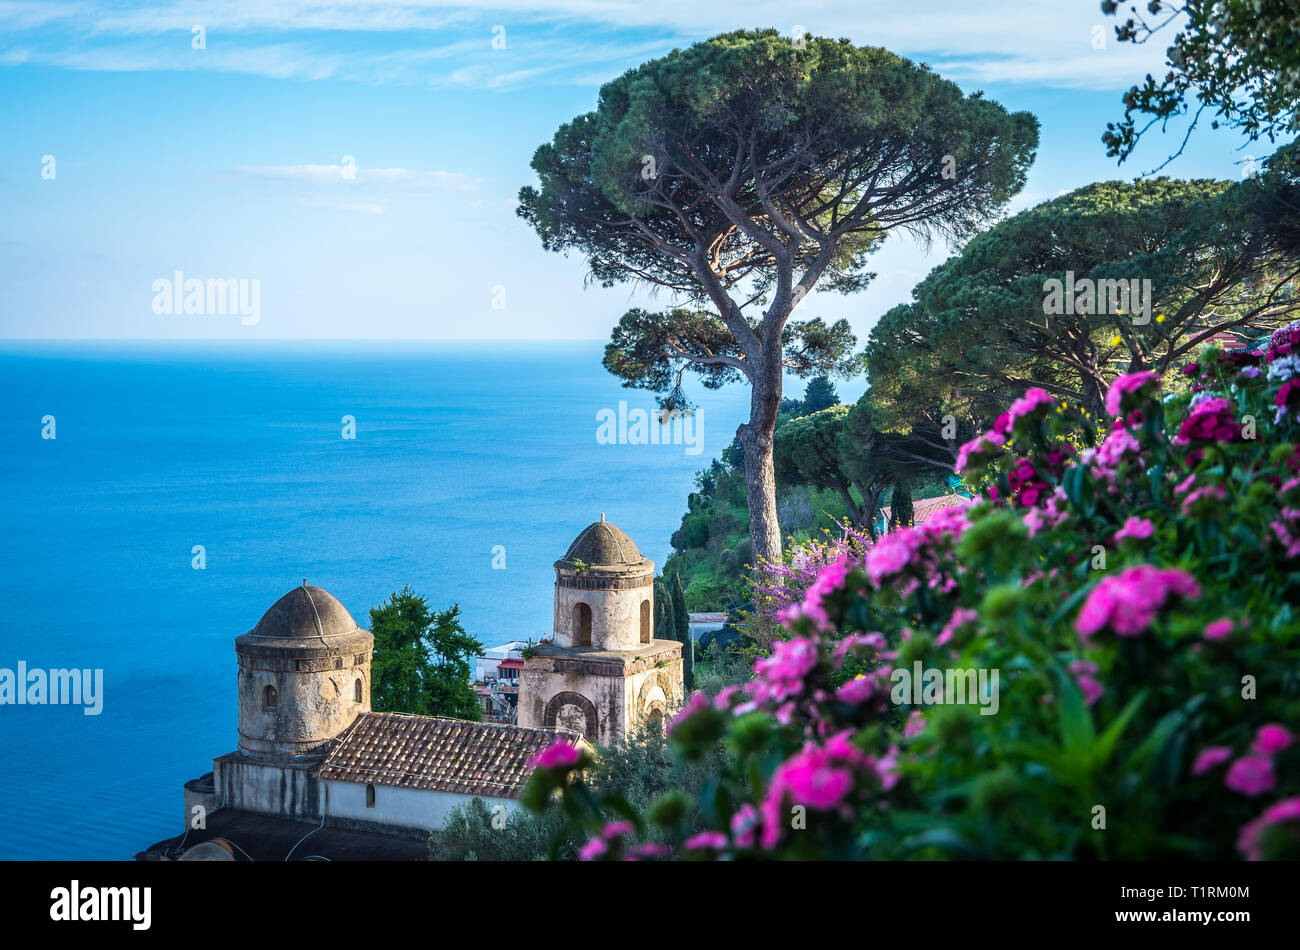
{"type": "Point", "coordinates": [839, 449]}
{"type": "Point", "coordinates": [977, 334]}
{"type": "Point", "coordinates": [809, 451]}
{"type": "Point", "coordinates": [682, 631]}
{"type": "Point", "coordinates": [422, 659]}
{"type": "Point", "coordinates": [665, 622]}
{"type": "Point", "coordinates": [744, 171]}
{"type": "Point", "coordinates": [1239, 58]}
{"type": "Point", "coordinates": [474, 832]}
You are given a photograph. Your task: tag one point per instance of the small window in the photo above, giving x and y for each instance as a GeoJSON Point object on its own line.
{"type": "Point", "coordinates": [581, 625]}
{"type": "Point", "coordinates": [646, 634]}
{"type": "Point", "coordinates": [338, 663]}
{"type": "Point", "coordinates": [269, 698]}
{"type": "Point", "coordinates": [356, 691]}
{"type": "Point", "coordinates": [370, 796]}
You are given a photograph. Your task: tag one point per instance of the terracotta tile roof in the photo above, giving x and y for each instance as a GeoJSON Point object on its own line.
{"type": "Point", "coordinates": [924, 508]}
{"type": "Point", "coordinates": [443, 755]}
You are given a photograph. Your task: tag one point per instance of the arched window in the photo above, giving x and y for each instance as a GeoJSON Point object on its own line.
{"type": "Point", "coordinates": [269, 698]}
{"type": "Point", "coordinates": [356, 691]}
{"type": "Point", "coordinates": [646, 633]}
{"type": "Point", "coordinates": [581, 625]}
{"type": "Point", "coordinates": [370, 796]}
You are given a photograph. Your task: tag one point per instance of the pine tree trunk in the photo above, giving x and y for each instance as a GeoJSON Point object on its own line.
{"type": "Point", "coordinates": [756, 438]}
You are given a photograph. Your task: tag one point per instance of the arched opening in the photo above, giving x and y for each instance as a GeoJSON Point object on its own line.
{"type": "Point", "coordinates": [581, 625]}
{"type": "Point", "coordinates": [356, 691]}
{"type": "Point", "coordinates": [646, 633]}
{"type": "Point", "coordinates": [269, 698]}
{"type": "Point", "coordinates": [370, 796]}
{"type": "Point", "coordinates": [656, 719]}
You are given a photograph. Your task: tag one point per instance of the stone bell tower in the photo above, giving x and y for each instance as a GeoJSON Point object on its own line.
{"type": "Point", "coordinates": [604, 673]}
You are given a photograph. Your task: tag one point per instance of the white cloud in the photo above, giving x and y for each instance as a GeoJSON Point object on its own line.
{"type": "Point", "coordinates": [997, 41]}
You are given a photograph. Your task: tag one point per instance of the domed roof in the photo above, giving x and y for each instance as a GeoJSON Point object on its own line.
{"type": "Point", "coordinates": [603, 544]}
{"type": "Point", "coordinates": [302, 613]}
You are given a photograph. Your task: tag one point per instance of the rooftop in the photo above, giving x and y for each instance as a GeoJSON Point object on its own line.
{"type": "Point", "coordinates": [305, 612]}
{"type": "Point", "coordinates": [603, 544]}
{"type": "Point", "coordinates": [443, 755]}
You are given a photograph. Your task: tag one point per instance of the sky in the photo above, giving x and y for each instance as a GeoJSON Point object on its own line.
{"type": "Point", "coordinates": [358, 163]}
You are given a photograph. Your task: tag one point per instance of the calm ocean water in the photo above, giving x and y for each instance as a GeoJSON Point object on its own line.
{"type": "Point", "coordinates": [160, 447]}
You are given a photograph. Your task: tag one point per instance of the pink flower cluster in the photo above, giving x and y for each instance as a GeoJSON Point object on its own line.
{"type": "Point", "coordinates": [1211, 420]}
{"type": "Point", "coordinates": [1252, 773]}
{"type": "Point", "coordinates": [1129, 390]}
{"type": "Point", "coordinates": [611, 839]}
{"type": "Point", "coordinates": [828, 581]}
{"type": "Point", "coordinates": [1085, 676]}
{"type": "Point", "coordinates": [1127, 603]}
{"type": "Point", "coordinates": [822, 778]}
{"type": "Point", "coordinates": [780, 677]}
{"type": "Point", "coordinates": [1139, 529]}
{"type": "Point", "coordinates": [981, 448]}
{"type": "Point", "coordinates": [560, 754]}
{"type": "Point", "coordinates": [915, 550]}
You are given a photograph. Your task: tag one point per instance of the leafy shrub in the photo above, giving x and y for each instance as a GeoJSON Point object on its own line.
{"type": "Point", "coordinates": [1122, 616]}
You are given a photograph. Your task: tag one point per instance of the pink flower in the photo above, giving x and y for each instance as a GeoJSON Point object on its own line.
{"type": "Point", "coordinates": [616, 829]}
{"type": "Point", "coordinates": [1129, 389]}
{"type": "Point", "coordinates": [1211, 421]}
{"type": "Point", "coordinates": [915, 724]}
{"type": "Point", "coordinates": [961, 617]}
{"type": "Point", "coordinates": [828, 581]}
{"type": "Point", "coordinates": [1127, 603]}
{"type": "Point", "coordinates": [1250, 775]}
{"type": "Point", "coordinates": [893, 554]}
{"type": "Point", "coordinates": [815, 779]}
{"type": "Point", "coordinates": [706, 840]}
{"type": "Point", "coordinates": [1026, 405]}
{"type": "Point", "coordinates": [1086, 679]}
{"type": "Point", "coordinates": [696, 704]}
{"type": "Point", "coordinates": [1205, 498]}
{"type": "Point", "coordinates": [1210, 758]}
{"type": "Point", "coordinates": [593, 849]}
{"type": "Point", "coordinates": [1271, 738]}
{"type": "Point", "coordinates": [1218, 629]}
{"type": "Point", "coordinates": [856, 691]}
{"type": "Point", "coordinates": [780, 676]}
{"type": "Point", "coordinates": [1248, 842]}
{"type": "Point", "coordinates": [987, 444]}
{"type": "Point", "coordinates": [726, 697]}
{"type": "Point", "coordinates": [744, 825]}
{"type": "Point", "coordinates": [1136, 528]}
{"type": "Point", "coordinates": [561, 754]}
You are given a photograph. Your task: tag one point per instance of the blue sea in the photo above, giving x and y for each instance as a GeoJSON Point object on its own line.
{"type": "Point", "coordinates": [459, 448]}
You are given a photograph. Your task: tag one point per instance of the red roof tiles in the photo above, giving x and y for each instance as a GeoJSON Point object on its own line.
{"type": "Point", "coordinates": [444, 755]}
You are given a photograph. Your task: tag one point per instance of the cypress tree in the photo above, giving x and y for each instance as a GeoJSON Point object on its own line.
{"type": "Point", "coordinates": [665, 623]}
{"type": "Point", "coordinates": [682, 617]}
{"type": "Point", "coordinates": [900, 506]}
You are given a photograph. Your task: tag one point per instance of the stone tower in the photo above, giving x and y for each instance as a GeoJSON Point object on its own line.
{"type": "Point", "coordinates": [603, 674]}
{"type": "Point", "coordinates": [304, 676]}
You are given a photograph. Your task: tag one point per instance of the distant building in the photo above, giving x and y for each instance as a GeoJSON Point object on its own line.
{"type": "Point", "coordinates": [604, 673]}
{"type": "Point", "coordinates": [314, 763]}
{"type": "Point", "coordinates": [707, 622]}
